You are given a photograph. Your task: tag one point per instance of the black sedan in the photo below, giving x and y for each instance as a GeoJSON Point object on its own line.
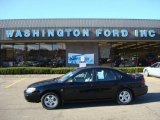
{"type": "Point", "coordinates": [89, 83]}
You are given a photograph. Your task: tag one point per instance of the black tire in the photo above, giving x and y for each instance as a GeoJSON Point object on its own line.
{"type": "Point", "coordinates": [146, 73]}
{"type": "Point", "coordinates": [50, 101]}
{"type": "Point", "coordinates": [124, 97]}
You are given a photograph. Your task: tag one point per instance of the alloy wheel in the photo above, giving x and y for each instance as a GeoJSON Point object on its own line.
{"type": "Point", "coordinates": [146, 73]}
{"type": "Point", "coordinates": [124, 97]}
{"type": "Point", "coordinates": [50, 101]}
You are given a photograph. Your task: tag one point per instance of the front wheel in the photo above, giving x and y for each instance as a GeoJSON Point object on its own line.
{"type": "Point", "coordinates": [146, 73]}
{"type": "Point", "coordinates": [50, 101]}
{"type": "Point", "coordinates": [124, 97]}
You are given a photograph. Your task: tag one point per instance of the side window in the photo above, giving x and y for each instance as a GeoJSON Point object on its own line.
{"type": "Point", "coordinates": [100, 75]}
{"type": "Point", "coordinates": [84, 76]}
{"type": "Point", "coordinates": [158, 65]}
{"type": "Point", "coordinates": [107, 75]}
{"type": "Point", "coordinates": [154, 65]}
{"type": "Point", "coordinates": [118, 75]}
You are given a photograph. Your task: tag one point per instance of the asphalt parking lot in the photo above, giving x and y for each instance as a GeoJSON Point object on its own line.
{"type": "Point", "coordinates": [14, 107]}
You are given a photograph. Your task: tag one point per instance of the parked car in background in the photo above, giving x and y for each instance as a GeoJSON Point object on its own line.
{"type": "Point", "coordinates": [124, 63]}
{"type": "Point", "coordinates": [153, 70]}
{"type": "Point", "coordinates": [88, 83]}
{"type": "Point", "coordinates": [127, 64]}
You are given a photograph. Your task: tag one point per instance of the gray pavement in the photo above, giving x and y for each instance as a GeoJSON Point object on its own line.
{"type": "Point", "coordinates": [14, 107]}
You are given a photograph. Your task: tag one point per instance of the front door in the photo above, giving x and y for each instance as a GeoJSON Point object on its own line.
{"type": "Point", "coordinates": [79, 87]}
{"type": "Point", "coordinates": [153, 69]}
{"type": "Point", "coordinates": [156, 70]}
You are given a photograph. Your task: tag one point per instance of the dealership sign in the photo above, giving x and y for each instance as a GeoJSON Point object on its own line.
{"type": "Point", "coordinates": [77, 33]}
{"type": "Point", "coordinates": [80, 33]}
{"type": "Point", "coordinates": [75, 58]}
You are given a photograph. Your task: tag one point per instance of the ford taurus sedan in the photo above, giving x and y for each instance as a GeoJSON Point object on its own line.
{"type": "Point", "coordinates": [153, 70]}
{"type": "Point", "coordinates": [88, 83]}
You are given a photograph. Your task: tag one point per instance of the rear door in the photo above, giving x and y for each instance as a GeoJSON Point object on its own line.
{"type": "Point", "coordinates": [106, 83]}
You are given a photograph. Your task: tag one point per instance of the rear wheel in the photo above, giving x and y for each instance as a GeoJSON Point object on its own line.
{"type": "Point", "coordinates": [146, 73]}
{"type": "Point", "coordinates": [124, 97]}
{"type": "Point", "coordinates": [50, 101]}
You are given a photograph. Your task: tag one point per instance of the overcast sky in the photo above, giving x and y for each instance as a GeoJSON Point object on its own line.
{"type": "Point", "coordinates": [130, 9]}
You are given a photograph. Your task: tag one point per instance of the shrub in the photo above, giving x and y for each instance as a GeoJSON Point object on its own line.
{"type": "Point", "coordinates": [34, 70]}
{"type": "Point", "coordinates": [62, 70]}
{"type": "Point", "coordinates": [131, 69]}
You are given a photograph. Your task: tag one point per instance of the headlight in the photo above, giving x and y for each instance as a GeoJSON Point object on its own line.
{"type": "Point", "coordinates": [30, 90]}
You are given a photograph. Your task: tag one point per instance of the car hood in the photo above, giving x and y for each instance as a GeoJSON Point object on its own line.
{"type": "Point", "coordinates": [45, 82]}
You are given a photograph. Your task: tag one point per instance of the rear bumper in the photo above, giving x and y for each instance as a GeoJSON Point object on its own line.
{"type": "Point", "coordinates": [141, 91]}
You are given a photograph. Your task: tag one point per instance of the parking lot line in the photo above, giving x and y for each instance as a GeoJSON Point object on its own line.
{"type": "Point", "coordinates": [8, 86]}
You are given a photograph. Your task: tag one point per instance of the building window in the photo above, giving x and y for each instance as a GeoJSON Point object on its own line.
{"type": "Point", "coordinates": [7, 55]}
{"type": "Point", "coordinates": [59, 55]}
{"type": "Point", "coordinates": [32, 53]}
{"type": "Point", "coordinates": [38, 54]}
{"type": "Point", "coordinates": [45, 54]}
{"type": "Point", "coordinates": [105, 54]}
{"type": "Point", "coordinates": [19, 55]}
{"type": "Point", "coordinates": [52, 55]}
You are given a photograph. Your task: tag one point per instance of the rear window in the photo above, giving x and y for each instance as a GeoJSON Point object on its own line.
{"type": "Point", "coordinates": [118, 75]}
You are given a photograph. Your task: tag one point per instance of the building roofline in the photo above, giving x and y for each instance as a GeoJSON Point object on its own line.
{"type": "Point", "coordinates": [82, 19]}
{"type": "Point", "coordinates": [80, 22]}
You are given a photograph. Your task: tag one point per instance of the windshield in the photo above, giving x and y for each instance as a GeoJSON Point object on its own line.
{"type": "Point", "coordinates": [67, 75]}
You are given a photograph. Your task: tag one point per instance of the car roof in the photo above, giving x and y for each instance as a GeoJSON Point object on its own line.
{"type": "Point", "coordinates": [94, 67]}
{"type": "Point", "coordinates": [104, 67]}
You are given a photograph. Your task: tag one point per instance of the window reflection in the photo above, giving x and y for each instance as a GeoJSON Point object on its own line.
{"type": "Point", "coordinates": [59, 55]}
{"type": "Point", "coordinates": [39, 54]}
{"type": "Point", "coordinates": [32, 52]}
{"type": "Point", "coordinates": [19, 55]}
{"type": "Point", "coordinates": [105, 54]}
{"type": "Point", "coordinates": [7, 55]}
{"type": "Point", "coordinates": [45, 54]}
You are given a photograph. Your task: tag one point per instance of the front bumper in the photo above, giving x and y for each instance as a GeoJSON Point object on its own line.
{"type": "Point", "coordinates": [32, 97]}
{"type": "Point", "coordinates": [141, 91]}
